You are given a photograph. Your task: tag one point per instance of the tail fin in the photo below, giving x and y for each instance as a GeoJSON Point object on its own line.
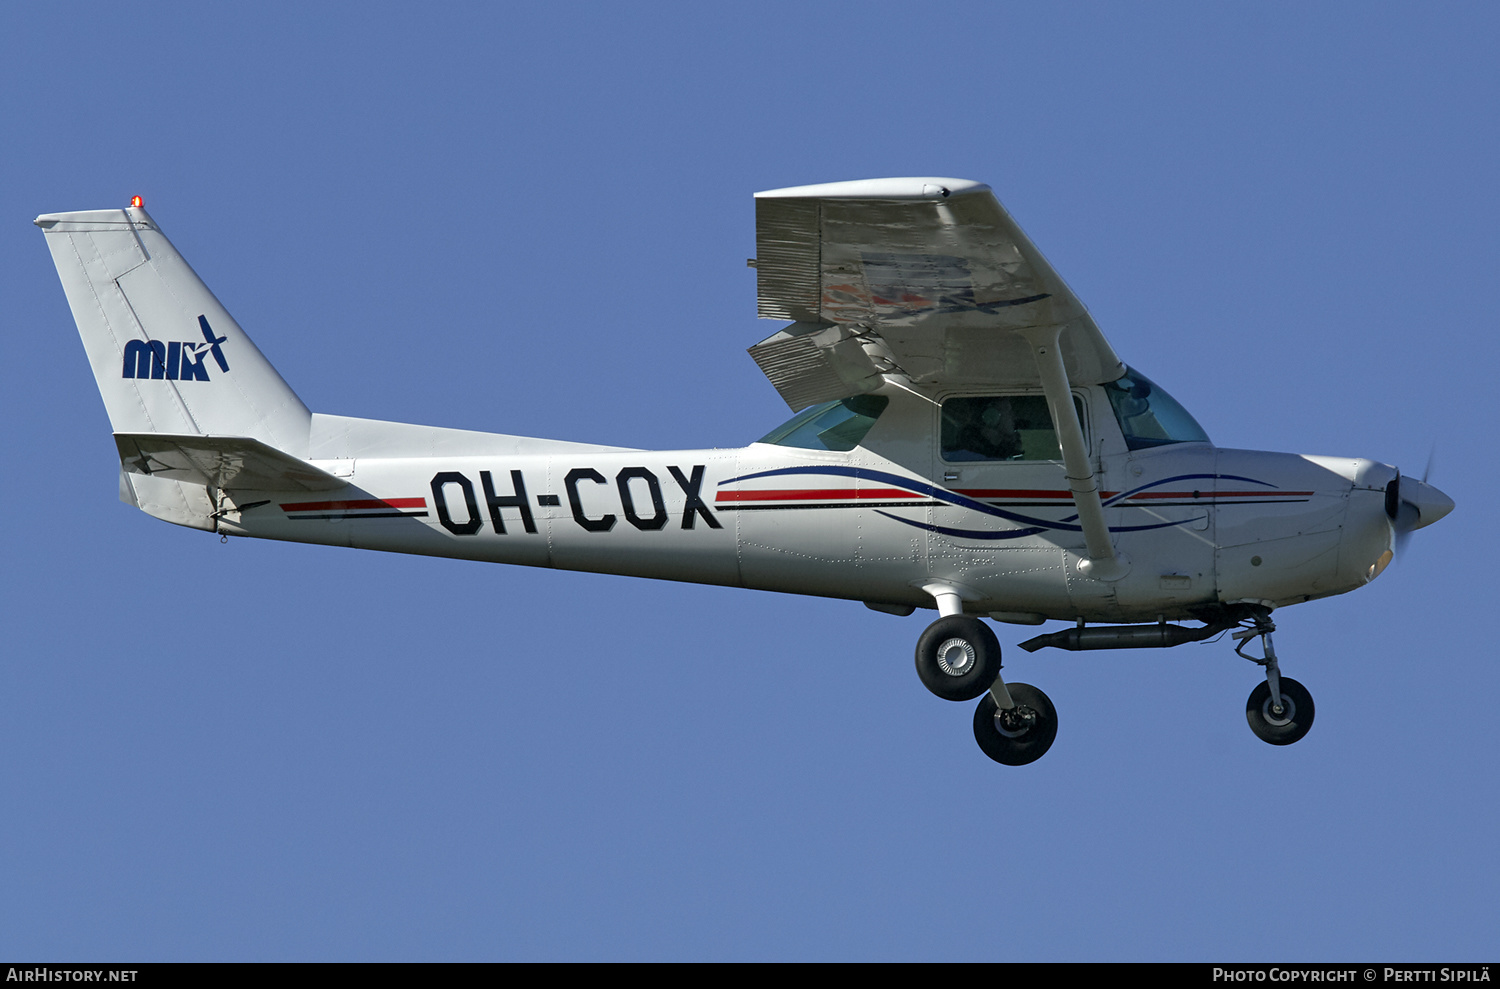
{"type": "Point", "coordinates": [167, 356]}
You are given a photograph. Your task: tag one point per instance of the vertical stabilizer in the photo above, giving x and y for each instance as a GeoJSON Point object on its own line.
{"type": "Point", "coordinates": [168, 358]}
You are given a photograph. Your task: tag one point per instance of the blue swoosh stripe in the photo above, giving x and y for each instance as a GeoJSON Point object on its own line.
{"type": "Point", "coordinates": [1036, 525]}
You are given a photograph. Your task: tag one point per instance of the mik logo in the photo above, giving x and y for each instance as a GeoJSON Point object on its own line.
{"type": "Point", "coordinates": [174, 361]}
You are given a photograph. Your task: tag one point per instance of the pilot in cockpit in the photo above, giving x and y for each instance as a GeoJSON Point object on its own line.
{"type": "Point", "coordinates": [983, 429]}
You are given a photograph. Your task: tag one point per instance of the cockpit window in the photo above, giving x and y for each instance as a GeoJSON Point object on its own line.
{"type": "Point", "coordinates": [1149, 416]}
{"type": "Point", "coordinates": [836, 426]}
{"type": "Point", "coordinates": [1000, 427]}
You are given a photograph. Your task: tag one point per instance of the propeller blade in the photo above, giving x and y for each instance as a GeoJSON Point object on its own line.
{"type": "Point", "coordinates": [1407, 520]}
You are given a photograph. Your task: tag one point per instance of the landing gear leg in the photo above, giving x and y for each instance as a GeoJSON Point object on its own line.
{"type": "Point", "coordinates": [1280, 711]}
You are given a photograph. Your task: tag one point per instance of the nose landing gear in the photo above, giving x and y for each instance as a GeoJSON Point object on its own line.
{"type": "Point", "coordinates": [1280, 710]}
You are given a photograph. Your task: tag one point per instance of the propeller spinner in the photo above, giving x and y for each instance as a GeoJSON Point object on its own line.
{"type": "Point", "coordinates": [1412, 504]}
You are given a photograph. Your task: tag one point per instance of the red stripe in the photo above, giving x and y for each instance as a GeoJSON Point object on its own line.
{"type": "Point", "coordinates": [1011, 493]}
{"type": "Point", "coordinates": [332, 506]}
{"type": "Point", "coordinates": [853, 494]}
{"type": "Point", "coordinates": [815, 494]}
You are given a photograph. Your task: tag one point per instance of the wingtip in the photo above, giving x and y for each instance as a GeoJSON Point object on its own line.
{"type": "Point", "coordinates": [916, 188]}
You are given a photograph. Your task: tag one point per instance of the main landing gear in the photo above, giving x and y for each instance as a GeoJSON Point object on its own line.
{"type": "Point", "coordinates": [1280, 711]}
{"type": "Point", "coordinates": [958, 659]}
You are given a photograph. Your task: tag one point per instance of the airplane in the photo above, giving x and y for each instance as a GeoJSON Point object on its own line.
{"type": "Point", "coordinates": [965, 440]}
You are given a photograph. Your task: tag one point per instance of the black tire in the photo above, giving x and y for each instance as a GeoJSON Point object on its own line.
{"type": "Point", "coordinates": [1031, 733]}
{"type": "Point", "coordinates": [1291, 724]}
{"type": "Point", "coordinates": [958, 657]}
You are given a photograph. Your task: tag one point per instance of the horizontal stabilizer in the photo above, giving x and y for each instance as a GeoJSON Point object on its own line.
{"type": "Point", "coordinates": [236, 463]}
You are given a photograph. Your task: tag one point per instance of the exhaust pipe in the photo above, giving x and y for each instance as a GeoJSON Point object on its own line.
{"type": "Point", "coordinates": [1122, 637]}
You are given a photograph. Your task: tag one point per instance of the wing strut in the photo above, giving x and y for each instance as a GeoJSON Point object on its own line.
{"type": "Point", "coordinates": [1103, 562]}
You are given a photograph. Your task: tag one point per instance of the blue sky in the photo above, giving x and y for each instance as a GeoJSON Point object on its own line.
{"type": "Point", "coordinates": [534, 219]}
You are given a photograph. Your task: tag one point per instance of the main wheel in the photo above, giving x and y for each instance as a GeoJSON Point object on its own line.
{"type": "Point", "coordinates": [958, 657]}
{"type": "Point", "coordinates": [1018, 736]}
{"type": "Point", "coordinates": [1294, 720]}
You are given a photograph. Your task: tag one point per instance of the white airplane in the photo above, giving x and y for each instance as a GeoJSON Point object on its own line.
{"type": "Point", "coordinates": [965, 440]}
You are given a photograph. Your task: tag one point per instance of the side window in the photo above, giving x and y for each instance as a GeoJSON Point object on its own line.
{"type": "Point", "coordinates": [1000, 427]}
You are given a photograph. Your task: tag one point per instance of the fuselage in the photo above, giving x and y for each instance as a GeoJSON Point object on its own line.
{"type": "Point", "coordinates": [1199, 527]}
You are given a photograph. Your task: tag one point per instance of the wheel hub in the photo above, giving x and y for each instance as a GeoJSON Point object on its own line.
{"type": "Point", "coordinates": [1288, 712]}
{"type": "Point", "coordinates": [1014, 722]}
{"type": "Point", "coordinates": [956, 657]}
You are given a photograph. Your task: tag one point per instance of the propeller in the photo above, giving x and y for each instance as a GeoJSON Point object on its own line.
{"type": "Point", "coordinates": [1411, 504]}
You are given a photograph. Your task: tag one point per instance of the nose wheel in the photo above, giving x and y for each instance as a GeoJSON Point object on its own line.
{"type": "Point", "coordinates": [1287, 725]}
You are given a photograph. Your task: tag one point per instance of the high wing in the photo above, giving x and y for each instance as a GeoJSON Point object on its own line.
{"type": "Point", "coordinates": [927, 280]}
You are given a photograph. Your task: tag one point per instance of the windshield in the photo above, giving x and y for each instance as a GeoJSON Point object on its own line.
{"type": "Point", "coordinates": [836, 426]}
{"type": "Point", "coordinates": [1149, 416]}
